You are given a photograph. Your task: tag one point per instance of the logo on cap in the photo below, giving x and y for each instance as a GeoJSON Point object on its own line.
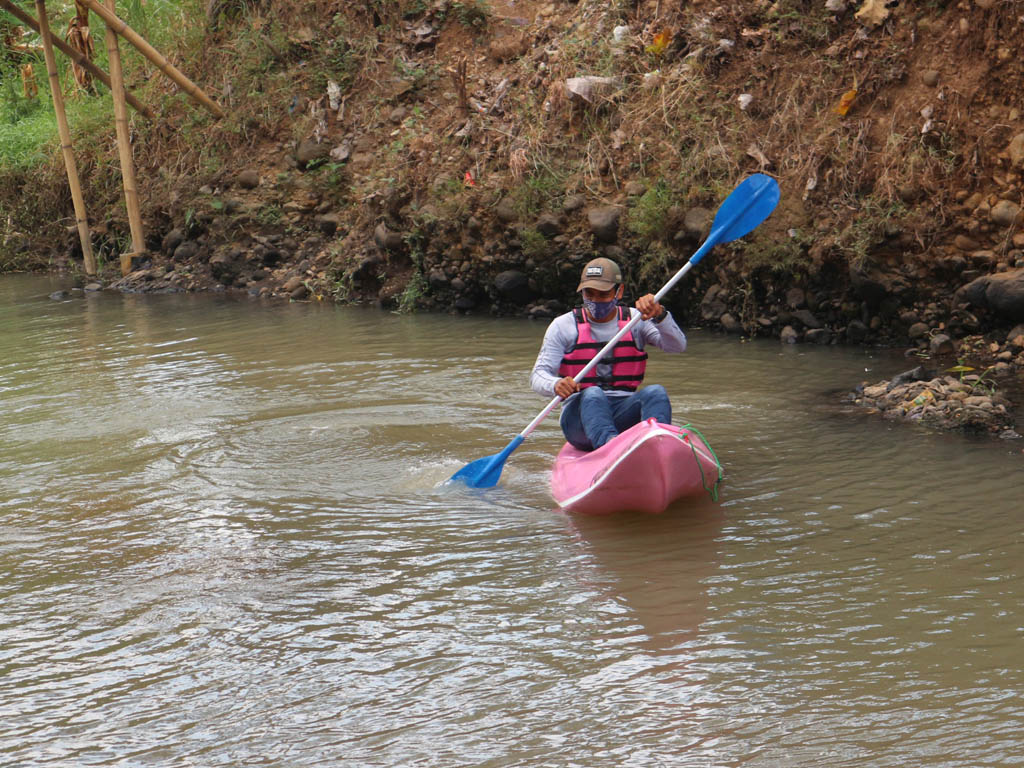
{"type": "Point", "coordinates": [595, 271]}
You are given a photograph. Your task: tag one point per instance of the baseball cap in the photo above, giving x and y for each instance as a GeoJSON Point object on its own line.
{"type": "Point", "coordinates": [601, 274]}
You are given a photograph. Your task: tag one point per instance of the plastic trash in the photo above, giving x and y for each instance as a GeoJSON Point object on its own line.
{"type": "Point", "coordinates": [923, 399]}
{"type": "Point", "coordinates": [591, 87]}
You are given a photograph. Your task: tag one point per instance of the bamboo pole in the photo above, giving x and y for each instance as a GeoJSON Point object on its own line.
{"type": "Point", "coordinates": [133, 37]}
{"type": "Point", "coordinates": [65, 140]}
{"type": "Point", "coordinates": [74, 55]}
{"type": "Point", "coordinates": [124, 149]}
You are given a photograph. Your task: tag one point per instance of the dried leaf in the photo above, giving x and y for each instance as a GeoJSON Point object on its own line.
{"type": "Point", "coordinates": [661, 42]}
{"type": "Point", "coordinates": [846, 101]}
{"type": "Point", "coordinates": [872, 13]}
{"type": "Point", "coordinates": [754, 152]}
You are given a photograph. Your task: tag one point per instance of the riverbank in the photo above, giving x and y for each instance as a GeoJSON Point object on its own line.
{"type": "Point", "coordinates": [469, 157]}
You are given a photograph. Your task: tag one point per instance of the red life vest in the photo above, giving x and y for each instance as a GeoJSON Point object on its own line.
{"type": "Point", "coordinates": [628, 361]}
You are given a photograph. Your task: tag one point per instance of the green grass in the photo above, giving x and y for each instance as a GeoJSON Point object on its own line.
{"type": "Point", "coordinates": [28, 128]}
{"type": "Point", "coordinates": [649, 217]}
{"type": "Point", "coordinates": [27, 142]}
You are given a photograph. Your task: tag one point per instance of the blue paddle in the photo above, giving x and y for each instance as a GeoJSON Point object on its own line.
{"type": "Point", "coordinates": [748, 205]}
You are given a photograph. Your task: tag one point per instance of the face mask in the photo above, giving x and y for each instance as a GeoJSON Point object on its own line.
{"type": "Point", "coordinates": [599, 309]}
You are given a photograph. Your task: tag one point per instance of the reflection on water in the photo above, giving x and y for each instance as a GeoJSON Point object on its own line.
{"type": "Point", "coordinates": [225, 540]}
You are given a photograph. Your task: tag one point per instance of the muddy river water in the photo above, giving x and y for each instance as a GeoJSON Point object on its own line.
{"type": "Point", "coordinates": [225, 541]}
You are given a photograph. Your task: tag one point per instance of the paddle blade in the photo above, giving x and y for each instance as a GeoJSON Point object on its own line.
{"type": "Point", "coordinates": [485, 472]}
{"type": "Point", "coordinates": [748, 205]}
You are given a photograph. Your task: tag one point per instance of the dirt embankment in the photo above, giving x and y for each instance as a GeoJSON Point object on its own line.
{"type": "Point", "coordinates": [470, 156]}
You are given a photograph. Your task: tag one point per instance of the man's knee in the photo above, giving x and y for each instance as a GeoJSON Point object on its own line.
{"type": "Point", "coordinates": [655, 393]}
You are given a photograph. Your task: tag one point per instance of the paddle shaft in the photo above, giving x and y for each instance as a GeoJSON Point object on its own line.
{"type": "Point", "coordinates": [711, 242]}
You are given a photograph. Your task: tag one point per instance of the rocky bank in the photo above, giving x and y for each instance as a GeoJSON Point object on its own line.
{"type": "Point", "coordinates": [469, 157]}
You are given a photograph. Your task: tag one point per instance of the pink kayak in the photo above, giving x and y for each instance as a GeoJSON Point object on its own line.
{"type": "Point", "coordinates": [644, 469]}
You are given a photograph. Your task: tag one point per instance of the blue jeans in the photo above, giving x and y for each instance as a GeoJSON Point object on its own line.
{"type": "Point", "coordinates": [592, 418]}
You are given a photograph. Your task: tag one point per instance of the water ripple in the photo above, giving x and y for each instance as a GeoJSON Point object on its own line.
{"type": "Point", "coordinates": [226, 539]}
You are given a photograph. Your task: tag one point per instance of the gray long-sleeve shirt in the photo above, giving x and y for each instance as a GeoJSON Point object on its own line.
{"type": "Point", "coordinates": [561, 335]}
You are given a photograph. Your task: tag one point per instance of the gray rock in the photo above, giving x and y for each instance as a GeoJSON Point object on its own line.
{"type": "Point", "coordinates": [1005, 213]}
{"type": "Point", "coordinates": [172, 240]}
{"type": "Point", "coordinates": [437, 279]}
{"type": "Point", "coordinates": [1005, 294]}
{"type": "Point", "coordinates": [918, 331]}
{"type": "Point", "coordinates": [965, 243]}
{"type": "Point", "coordinates": [550, 225]}
{"type": "Point", "coordinates": [635, 188]}
{"type": "Point", "coordinates": [730, 323]}
{"type": "Point", "coordinates": [223, 268]}
{"type": "Point", "coordinates": [514, 286]}
{"type": "Point", "coordinates": [574, 203]}
{"type": "Point", "coordinates": [711, 310]}
{"type": "Point", "coordinates": [1016, 150]}
{"type": "Point", "coordinates": [187, 250]}
{"type": "Point", "coordinates": [930, 78]}
{"type": "Point", "coordinates": [941, 345]}
{"type": "Point", "coordinates": [328, 223]}
{"type": "Point", "coordinates": [795, 298]}
{"type": "Point", "coordinates": [248, 179]}
{"type": "Point", "coordinates": [983, 259]}
{"type": "Point", "coordinates": [309, 151]}
{"type": "Point", "coordinates": [696, 222]}
{"type": "Point", "coordinates": [93, 287]}
{"type": "Point", "coordinates": [807, 318]}
{"type": "Point", "coordinates": [299, 292]}
{"type": "Point", "coordinates": [974, 292]}
{"type": "Point", "coordinates": [856, 332]}
{"type": "Point", "coordinates": [506, 212]}
{"type": "Point", "coordinates": [604, 223]}
{"type": "Point", "coordinates": [788, 335]}
{"type": "Point", "coordinates": [818, 336]}
{"type": "Point", "coordinates": [458, 284]}
{"type": "Point", "coordinates": [387, 240]}
{"type": "Point", "coordinates": [541, 311]}
{"type": "Point", "coordinates": [914, 374]}
{"type": "Point", "coordinates": [1017, 330]}
{"type": "Point", "coordinates": [59, 295]}
{"type": "Point", "coordinates": [873, 287]}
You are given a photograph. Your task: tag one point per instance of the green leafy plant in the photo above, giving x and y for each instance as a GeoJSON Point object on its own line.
{"type": "Point", "coordinates": [649, 218]}
{"type": "Point", "coordinates": [967, 376]}
{"type": "Point", "coordinates": [472, 13]}
{"type": "Point", "coordinates": [417, 286]}
{"type": "Point", "coordinates": [533, 243]}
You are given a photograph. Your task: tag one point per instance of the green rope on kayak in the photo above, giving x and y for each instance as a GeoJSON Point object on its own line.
{"type": "Point", "coordinates": [713, 490]}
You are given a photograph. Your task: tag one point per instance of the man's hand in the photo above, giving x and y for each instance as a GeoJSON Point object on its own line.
{"type": "Point", "coordinates": [649, 306]}
{"type": "Point", "coordinates": [565, 387]}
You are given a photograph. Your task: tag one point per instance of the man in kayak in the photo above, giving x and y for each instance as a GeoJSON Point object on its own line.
{"type": "Point", "coordinates": [608, 399]}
